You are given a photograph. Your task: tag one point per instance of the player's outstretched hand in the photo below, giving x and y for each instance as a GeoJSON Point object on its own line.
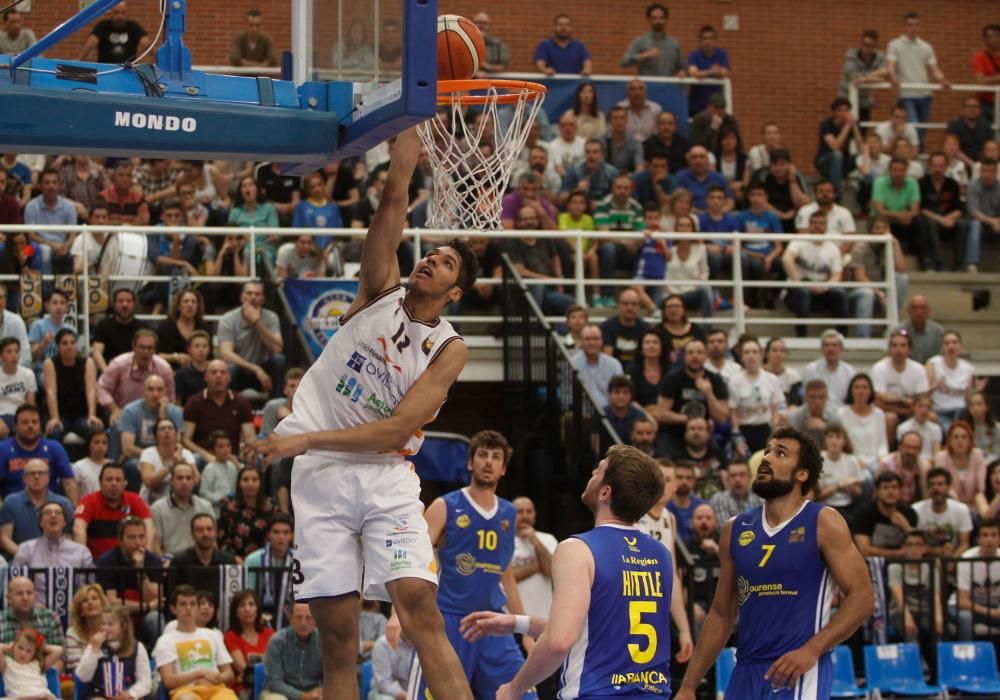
{"type": "Point", "coordinates": [485, 623]}
{"type": "Point", "coordinates": [275, 447]}
{"type": "Point", "coordinates": [785, 672]}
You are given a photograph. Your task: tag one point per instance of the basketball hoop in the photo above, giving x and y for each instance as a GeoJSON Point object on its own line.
{"type": "Point", "coordinates": [473, 146]}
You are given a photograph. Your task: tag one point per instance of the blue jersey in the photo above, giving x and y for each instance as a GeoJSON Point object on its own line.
{"type": "Point", "coordinates": [478, 548]}
{"type": "Point", "coordinates": [624, 648]}
{"type": "Point", "coordinates": [782, 583]}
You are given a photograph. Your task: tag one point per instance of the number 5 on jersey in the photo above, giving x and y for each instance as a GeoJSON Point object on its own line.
{"type": "Point", "coordinates": [638, 628]}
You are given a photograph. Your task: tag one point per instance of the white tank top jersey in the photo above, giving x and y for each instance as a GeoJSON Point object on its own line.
{"type": "Point", "coordinates": [364, 371]}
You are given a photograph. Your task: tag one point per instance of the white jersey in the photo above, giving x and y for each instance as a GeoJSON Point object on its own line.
{"type": "Point", "coordinates": [950, 396]}
{"type": "Point", "coordinates": [365, 370]}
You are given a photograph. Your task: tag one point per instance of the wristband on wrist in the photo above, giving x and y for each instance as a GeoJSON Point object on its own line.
{"type": "Point", "coordinates": [521, 624]}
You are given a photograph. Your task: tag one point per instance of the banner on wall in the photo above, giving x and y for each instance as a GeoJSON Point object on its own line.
{"type": "Point", "coordinates": [317, 306]}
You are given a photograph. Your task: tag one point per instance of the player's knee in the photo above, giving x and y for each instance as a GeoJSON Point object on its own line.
{"type": "Point", "coordinates": [416, 607]}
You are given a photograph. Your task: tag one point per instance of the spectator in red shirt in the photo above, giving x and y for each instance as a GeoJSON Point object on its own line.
{"type": "Point", "coordinates": [10, 208]}
{"type": "Point", "coordinates": [99, 513]}
{"type": "Point", "coordinates": [126, 204]}
{"type": "Point", "coordinates": [217, 408]}
{"type": "Point", "coordinates": [986, 66]}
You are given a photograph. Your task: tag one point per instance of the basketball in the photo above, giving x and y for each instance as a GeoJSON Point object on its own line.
{"type": "Point", "coordinates": [461, 49]}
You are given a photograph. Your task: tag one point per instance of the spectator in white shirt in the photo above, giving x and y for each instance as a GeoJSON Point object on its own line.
{"type": "Point", "coordinates": [532, 560]}
{"type": "Point", "coordinates": [17, 383]}
{"type": "Point", "coordinates": [841, 480]}
{"type": "Point", "coordinates": [864, 423]}
{"type": "Point", "coordinates": [830, 369]}
{"type": "Point", "coordinates": [952, 379]}
{"type": "Point", "coordinates": [978, 594]}
{"type": "Point", "coordinates": [947, 522]}
{"type": "Point", "coordinates": [817, 262]}
{"type": "Point", "coordinates": [922, 422]}
{"type": "Point", "coordinates": [566, 150]}
{"type": "Point", "coordinates": [897, 380]}
{"type": "Point", "coordinates": [88, 469]}
{"type": "Point", "coordinates": [838, 219]}
{"type": "Point", "coordinates": [897, 127]}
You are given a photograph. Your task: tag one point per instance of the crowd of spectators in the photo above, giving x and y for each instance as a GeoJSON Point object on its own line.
{"type": "Point", "coordinates": [157, 489]}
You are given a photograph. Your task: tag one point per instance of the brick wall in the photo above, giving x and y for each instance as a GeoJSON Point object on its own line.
{"type": "Point", "coordinates": [786, 56]}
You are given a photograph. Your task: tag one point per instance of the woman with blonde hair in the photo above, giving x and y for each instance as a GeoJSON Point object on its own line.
{"type": "Point", "coordinates": [115, 663]}
{"type": "Point", "coordinates": [85, 621]}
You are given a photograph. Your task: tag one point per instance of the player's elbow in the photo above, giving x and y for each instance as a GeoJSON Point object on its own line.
{"type": "Point", "coordinates": [560, 642]}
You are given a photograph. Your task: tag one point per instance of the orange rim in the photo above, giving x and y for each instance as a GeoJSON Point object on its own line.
{"type": "Point", "coordinates": [516, 90]}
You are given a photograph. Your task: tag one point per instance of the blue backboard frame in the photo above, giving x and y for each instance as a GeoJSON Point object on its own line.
{"type": "Point", "coordinates": [70, 107]}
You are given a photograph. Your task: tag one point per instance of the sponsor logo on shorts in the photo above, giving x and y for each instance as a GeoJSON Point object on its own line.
{"type": "Point", "coordinates": [399, 561]}
{"type": "Point", "coordinates": [398, 541]}
{"type": "Point", "coordinates": [746, 537]}
{"type": "Point", "coordinates": [350, 388]}
{"type": "Point", "coordinates": [463, 521]}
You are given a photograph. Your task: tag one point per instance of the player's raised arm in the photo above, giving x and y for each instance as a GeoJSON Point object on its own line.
{"type": "Point", "coordinates": [718, 623]}
{"type": "Point", "coordinates": [850, 573]}
{"type": "Point", "coordinates": [379, 269]}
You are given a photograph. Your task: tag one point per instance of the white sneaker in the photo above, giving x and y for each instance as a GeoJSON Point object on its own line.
{"type": "Point", "coordinates": [971, 269]}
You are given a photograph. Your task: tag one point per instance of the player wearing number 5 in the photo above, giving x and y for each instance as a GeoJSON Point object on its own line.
{"type": "Point", "coordinates": [473, 532]}
{"type": "Point", "coordinates": [358, 411]}
{"type": "Point", "coordinates": [781, 565]}
{"type": "Point", "coordinates": [610, 617]}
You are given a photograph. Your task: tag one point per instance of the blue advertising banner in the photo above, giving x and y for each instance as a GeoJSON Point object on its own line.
{"type": "Point", "coordinates": [318, 305]}
{"type": "Point", "coordinates": [672, 97]}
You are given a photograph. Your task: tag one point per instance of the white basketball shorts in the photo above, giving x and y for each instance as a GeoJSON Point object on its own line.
{"type": "Point", "coordinates": [357, 527]}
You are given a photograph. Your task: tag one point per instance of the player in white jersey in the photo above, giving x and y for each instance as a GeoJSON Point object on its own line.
{"type": "Point", "coordinates": [358, 411]}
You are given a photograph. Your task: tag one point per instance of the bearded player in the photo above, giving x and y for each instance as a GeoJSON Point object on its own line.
{"type": "Point", "coordinates": [781, 566]}
{"type": "Point", "coordinates": [358, 412]}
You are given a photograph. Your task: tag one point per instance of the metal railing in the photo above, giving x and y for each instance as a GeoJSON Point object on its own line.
{"type": "Point", "coordinates": [558, 424]}
{"type": "Point", "coordinates": [854, 89]}
{"type": "Point", "coordinates": [740, 320]}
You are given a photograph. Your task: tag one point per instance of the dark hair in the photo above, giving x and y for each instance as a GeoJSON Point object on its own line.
{"type": "Point", "coordinates": [100, 204]}
{"type": "Point", "coordinates": [9, 340]}
{"type": "Point", "coordinates": [577, 193]}
{"type": "Point", "coordinates": [911, 15]}
{"type": "Point", "coordinates": [202, 516]}
{"type": "Point", "coordinates": [172, 203]}
{"type": "Point", "coordinates": [490, 440]}
{"type": "Point", "coordinates": [26, 408]}
{"type": "Point", "coordinates": [56, 292]}
{"type": "Point", "coordinates": [678, 297]}
{"type": "Point", "coordinates": [887, 476]}
{"type": "Point", "coordinates": [987, 162]}
{"type": "Point", "coordinates": [575, 307]}
{"type": "Point", "coordinates": [725, 131]}
{"type": "Point", "coordinates": [823, 181]}
{"type": "Point", "coordinates": [896, 160]}
{"type": "Point", "coordinates": [990, 28]}
{"type": "Point", "coordinates": [810, 457]}
{"type": "Point", "coordinates": [658, 6]}
{"type": "Point", "coordinates": [91, 434]}
{"type": "Point", "coordinates": [717, 331]}
{"type": "Point", "coordinates": [814, 384]}
{"type": "Point", "coordinates": [234, 605]}
{"type": "Point", "coordinates": [183, 590]}
{"type": "Point", "coordinates": [716, 188]}
{"type": "Point", "coordinates": [990, 522]}
{"type": "Point", "coordinates": [850, 388]}
{"type": "Point", "coordinates": [596, 142]}
{"type": "Point", "coordinates": [839, 102]}
{"type": "Point", "coordinates": [469, 269]}
{"type": "Point", "coordinates": [621, 381]}
{"type": "Point", "coordinates": [901, 333]}
{"type": "Point", "coordinates": [130, 521]}
{"type": "Point", "coordinates": [253, 13]}
{"type": "Point", "coordinates": [707, 28]}
{"type": "Point", "coordinates": [636, 482]}
{"type": "Point", "coordinates": [48, 171]}
{"type": "Point", "coordinates": [13, 11]}
{"type": "Point", "coordinates": [920, 534]}
{"type": "Point", "coordinates": [935, 472]}
{"type": "Point", "coordinates": [215, 436]}
{"type": "Point", "coordinates": [781, 154]}
{"type": "Point", "coordinates": [756, 187]}
{"type": "Point", "coordinates": [838, 429]}
{"type": "Point", "coordinates": [870, 34]}
{"type": "Point", "coordinates": [616, 108]}
{"type": "Point", "coordinates": [200, 334]}
{"type": "Point", "coordinates": [560, 16]}
{"type": "Point", "coordinates": [280, 519]}
{"type": "Point", "coordinates": [578, 107]}
{"type": "Point", "coordinates": [260, 503]}
{"type": "Point", "coordinates": [175, 306]}
{"type": "Point", "coordinates": [106, 467]}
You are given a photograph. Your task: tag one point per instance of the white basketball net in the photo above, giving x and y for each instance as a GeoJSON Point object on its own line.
{"type": "Point", "coordinates": [472, 160]}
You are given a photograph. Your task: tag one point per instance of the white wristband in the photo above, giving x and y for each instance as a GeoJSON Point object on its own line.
{"type": "Point", "coordinates": [521, 624]}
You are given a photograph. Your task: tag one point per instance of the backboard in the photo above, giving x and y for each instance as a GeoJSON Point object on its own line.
{"type": "Point", "coordinates": [345, 97]}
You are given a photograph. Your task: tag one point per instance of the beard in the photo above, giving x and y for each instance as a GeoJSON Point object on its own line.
{"type": "Point", "coordinates": [773, 488]}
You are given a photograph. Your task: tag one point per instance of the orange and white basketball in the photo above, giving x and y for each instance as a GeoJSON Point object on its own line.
{"type": "Point", "coordinates": [460, 46]}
